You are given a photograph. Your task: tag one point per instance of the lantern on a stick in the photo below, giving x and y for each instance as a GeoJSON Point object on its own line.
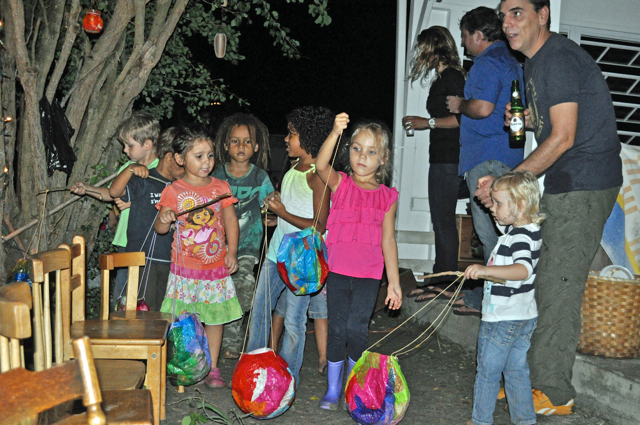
{"type": "Point", "coordinates": [92, 22]}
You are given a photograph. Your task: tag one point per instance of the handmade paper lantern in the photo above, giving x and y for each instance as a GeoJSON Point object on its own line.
{"type": "Point", "coordinates": [220, 45]}
{"type": "Point", "coordinates": [262, 384]}
{"type": "Point", "coordinates": [142, 306]}
{"type": "Point", "coordinates": [376, 391]}
{"type": "Point", "coordinates": [302, 261]}
{"type": "Point", "coordinates": [92, 22]}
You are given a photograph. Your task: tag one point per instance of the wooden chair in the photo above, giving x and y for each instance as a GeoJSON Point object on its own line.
{"type": "Point", "coordinates": [122, 339]}
{"type": "Point", "coordinates": [133, 261]}
{"type": "Point", "coordinates": [25, 394]}
{"type": "Point", "coordinates": [15, 323]}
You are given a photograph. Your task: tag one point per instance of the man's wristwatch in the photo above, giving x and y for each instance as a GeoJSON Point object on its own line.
{"type": "Point", "coordinates": [432, 123]}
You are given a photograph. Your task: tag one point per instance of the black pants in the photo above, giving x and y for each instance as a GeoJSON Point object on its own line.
{"type": "Point", "coordinates": [445, 188]}
{"type": "Point", "coordinates": [350, 303]}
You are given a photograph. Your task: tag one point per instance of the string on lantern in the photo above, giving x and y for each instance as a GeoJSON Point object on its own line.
{"type": "Point", "coordinates": [92, 22]}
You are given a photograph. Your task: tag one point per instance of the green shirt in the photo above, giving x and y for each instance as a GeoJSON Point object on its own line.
{"type": "Point", "coordinates": [120, 239]}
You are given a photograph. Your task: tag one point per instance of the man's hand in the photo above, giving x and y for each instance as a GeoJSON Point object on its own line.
{"type": "Point", "coordinates": [528, 124]}
{"type": "Point", "coordinates": [483, 193]}
{"type": "Point", "coordinates": [453, 104]}
{"type": "Point", "coordinates": [418, 123]}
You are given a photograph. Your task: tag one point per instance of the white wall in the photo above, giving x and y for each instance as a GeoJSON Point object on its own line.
{"type": "Point", "coordinates": [618, 15]}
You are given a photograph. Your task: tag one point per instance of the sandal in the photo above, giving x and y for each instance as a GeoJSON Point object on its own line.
{"type": "Point", "coordinates": [432, 295]}
{"type": "Point", "coordinates": [420, 291]}
{"type": "Point", "coordinates": [214, 380]}
{"type": "Point", "coordinates": [466, 311]}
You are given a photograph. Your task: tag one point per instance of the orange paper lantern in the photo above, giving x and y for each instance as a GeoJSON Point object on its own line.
{"type": "Point", "coordinates": [92, 22]}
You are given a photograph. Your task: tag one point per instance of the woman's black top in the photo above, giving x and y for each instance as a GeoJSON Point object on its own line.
{"type": "Point", "coordinates": [444, 145]}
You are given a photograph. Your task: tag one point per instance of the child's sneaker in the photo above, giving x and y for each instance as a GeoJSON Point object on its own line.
{"type": "Point", "coordinates": [543, 406]}
{"type": "Point", "coordinates": [214, 380]}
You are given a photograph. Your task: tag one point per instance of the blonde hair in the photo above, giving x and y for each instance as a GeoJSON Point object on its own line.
{"type": "Point", "coordinates": [524, 194]}
{"type": "Point", "coordinates": [435, 45]}
{"type": "Point", "coordinates": [380, 135]}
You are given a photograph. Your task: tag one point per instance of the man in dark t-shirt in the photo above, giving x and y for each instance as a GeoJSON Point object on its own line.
{"type": "Point", "coordinates": [571, 112]}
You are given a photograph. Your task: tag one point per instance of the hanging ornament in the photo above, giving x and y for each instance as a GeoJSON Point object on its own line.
{"type": "Point", "coordinates": [92, 22]}
{"type": "Point", "coordinates": [142, 306]}
{"type": "Point", "coordinates": [220, 44]}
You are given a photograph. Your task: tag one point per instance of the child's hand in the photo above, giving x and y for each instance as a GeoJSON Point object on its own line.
{"type": "Point", "coordinates": [272, 195]}
{"type": "Point", "coordinates": [78, 189]}
{"type": "Point", "coordinates": [475, 270]}
{"type": "Point", "coordinates": [276, 206]}
{"type": "Point", "coordinates": [270, 220]}
{"type": "Point", "coordinates": [231, 262]}
{"type": "Point", "coordinates": [394, 297]}
{"type": "Point", "coordinates": [121, 204]}
{"type": "Point", "coordinates": [340, 123]}
{"type": "Point", "coordinates": [168, 217]}
{"type": "Point", "coordinates": [139, 170]}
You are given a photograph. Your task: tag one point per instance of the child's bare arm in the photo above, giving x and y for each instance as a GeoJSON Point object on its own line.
{"type": "Point", "coordinates": [511, 272]}
{"type": "Point", "coordinates": [101, 193]}
{"type": "Point", "coordinates": [390, 253]}
{"type": "Point", "coordinates": [232, 232]}
{"type": "Point", "coordinates": [323, 160]}
{"type": "Point", "coordinates": [165, 217]}
{"type": "Point", "coordinates": [119, 185]}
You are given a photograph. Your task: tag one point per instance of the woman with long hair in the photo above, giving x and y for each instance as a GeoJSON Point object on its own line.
{"type": "Point", "coordinates": [437, 64]}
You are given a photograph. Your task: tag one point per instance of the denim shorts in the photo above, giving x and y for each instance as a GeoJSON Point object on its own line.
{"type": "Point", "coordinates": [317, 305]}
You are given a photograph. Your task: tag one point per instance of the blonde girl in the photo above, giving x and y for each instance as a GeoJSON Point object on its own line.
{"type": "Point", "coordinates": [360, 243]}
{"type": "Point", "coordinates": [200, 266]}
{"type": "Point", "coordinates": [509, 310]}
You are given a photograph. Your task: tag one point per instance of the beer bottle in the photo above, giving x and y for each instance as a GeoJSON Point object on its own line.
{"type": "Point", "coordinates": [517, 135]}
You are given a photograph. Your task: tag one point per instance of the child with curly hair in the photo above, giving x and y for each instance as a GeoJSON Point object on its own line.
{"type": "Point", "coordinates": [296, 206]}
{"type": "Point", "coordinates": [242, 155]}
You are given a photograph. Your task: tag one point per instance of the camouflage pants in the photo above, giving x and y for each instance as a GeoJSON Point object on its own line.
{"type": "Point", "coordinates": [245, 282]}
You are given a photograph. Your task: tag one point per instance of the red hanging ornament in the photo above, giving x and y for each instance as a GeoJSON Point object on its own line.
{"type": "Point", "coordinates": [142, 306]}
{"type": "Point", "coordinates": [92, 22]}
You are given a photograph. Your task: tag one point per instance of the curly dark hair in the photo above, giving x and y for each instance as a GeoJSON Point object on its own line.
{"type": "Point", "coordinates": [259, 135]}
{"type": "Point", "coordinates": [187, 136]}
{"type": "Point", "coordinates": [313, 124]}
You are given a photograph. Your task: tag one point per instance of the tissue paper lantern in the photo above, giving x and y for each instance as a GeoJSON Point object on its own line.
{"type": "Point", "coordinates": [302, 261]}
{"type": "Point", "coordinates": [262, 384]}
{"type": "Point", "coordinates": [376, 391]}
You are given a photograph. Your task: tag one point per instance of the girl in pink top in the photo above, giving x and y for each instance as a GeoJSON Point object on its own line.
{"type": "Point", "coordinates": [360, 243]}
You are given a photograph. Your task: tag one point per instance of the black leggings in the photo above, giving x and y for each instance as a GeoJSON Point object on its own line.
{"type": "Point", "coordinates": [350, 303]}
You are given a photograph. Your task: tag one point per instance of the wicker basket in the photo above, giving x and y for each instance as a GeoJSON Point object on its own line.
{"type": "Point", "coordinates": [610, 317]}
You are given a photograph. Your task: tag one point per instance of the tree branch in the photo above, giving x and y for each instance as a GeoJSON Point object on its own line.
{"type": "Point", "coordinates": [67, 46]}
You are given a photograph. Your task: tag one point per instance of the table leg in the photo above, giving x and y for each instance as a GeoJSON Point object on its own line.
{"type": "Point", "coordinates": [154, 373]}
{"type": "Point", "coordinates": [163, 382]}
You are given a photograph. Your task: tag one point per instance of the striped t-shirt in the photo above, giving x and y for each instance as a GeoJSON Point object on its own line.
{"type": "Point", "coordinates": [513, 300]}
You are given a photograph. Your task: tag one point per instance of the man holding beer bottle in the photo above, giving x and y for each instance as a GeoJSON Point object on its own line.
{"type": "Point", "coordinates": [484, 140]}
{"type": "Point", "coordinates": [571, 113]}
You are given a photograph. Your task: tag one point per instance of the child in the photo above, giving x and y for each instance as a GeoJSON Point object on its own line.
{"type": "Point", "coordinates": [360, 242]}
{"type": "Point", "coordinates": [296, 206]}
{"type": "Point", "coordinates": [509, 310]}
{"type": "Point", "coordinates": [142, 188]}
{"type": "Point", "coordinates": [200, 265]}
{"type": "Point", "coordinates": [138, 134]}
{"type": "Point", "coordinates": [240, 138]}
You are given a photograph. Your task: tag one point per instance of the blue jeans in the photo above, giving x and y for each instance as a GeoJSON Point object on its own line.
{"type": "Point", "coordinates": [483, 222]}
{"type": "Point", "coordinates": [502, 348]}
{"type": "Point", "coordinates": [269, 288]}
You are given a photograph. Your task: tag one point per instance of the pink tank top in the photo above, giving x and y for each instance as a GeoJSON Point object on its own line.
{"type": "Point", "coordinates": [354, 229]}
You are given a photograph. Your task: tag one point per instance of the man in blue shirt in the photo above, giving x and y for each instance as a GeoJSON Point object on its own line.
{"type": "Point", "coordinates": [484, 140]}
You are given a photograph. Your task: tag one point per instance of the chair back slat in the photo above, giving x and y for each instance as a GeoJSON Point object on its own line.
{"type": "Point", "coordinates": [79, 278]}
{"type": "Point", "coordinates": [15, 323]}
{"type": "Point", "coordinates": [47, 336]}
{"type": "Point", "coordinates": [131, 260]}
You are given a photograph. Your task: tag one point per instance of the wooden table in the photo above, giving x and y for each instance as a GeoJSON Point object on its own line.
{"type": "Point", "coordinates": [145, 340]}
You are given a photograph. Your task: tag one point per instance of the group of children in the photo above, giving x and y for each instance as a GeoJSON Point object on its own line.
{"type": "Point", "coordinates": [202, 260]}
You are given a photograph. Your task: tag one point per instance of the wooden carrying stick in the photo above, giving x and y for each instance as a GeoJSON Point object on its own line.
{"type": "Point", "coordinates": [458, 274]}
{"type": "Point", "coordinates": [206, 204]}
{"type": "Point", "coordinates": [53, 211]}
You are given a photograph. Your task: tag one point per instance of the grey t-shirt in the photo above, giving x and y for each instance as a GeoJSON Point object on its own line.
{"type": "Point", "coordinates": [562, 72]}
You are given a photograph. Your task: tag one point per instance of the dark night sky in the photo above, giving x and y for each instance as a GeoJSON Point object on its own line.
{"type": "Point", "coordinates": [346, 66]}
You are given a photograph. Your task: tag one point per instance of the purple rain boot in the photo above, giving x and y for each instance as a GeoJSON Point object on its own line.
{"type": "Point", "coordinates": [334, 379]}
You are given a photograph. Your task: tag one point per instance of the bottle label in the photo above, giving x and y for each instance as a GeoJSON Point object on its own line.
{"type": "Point", "coordinates": [516, 124]}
